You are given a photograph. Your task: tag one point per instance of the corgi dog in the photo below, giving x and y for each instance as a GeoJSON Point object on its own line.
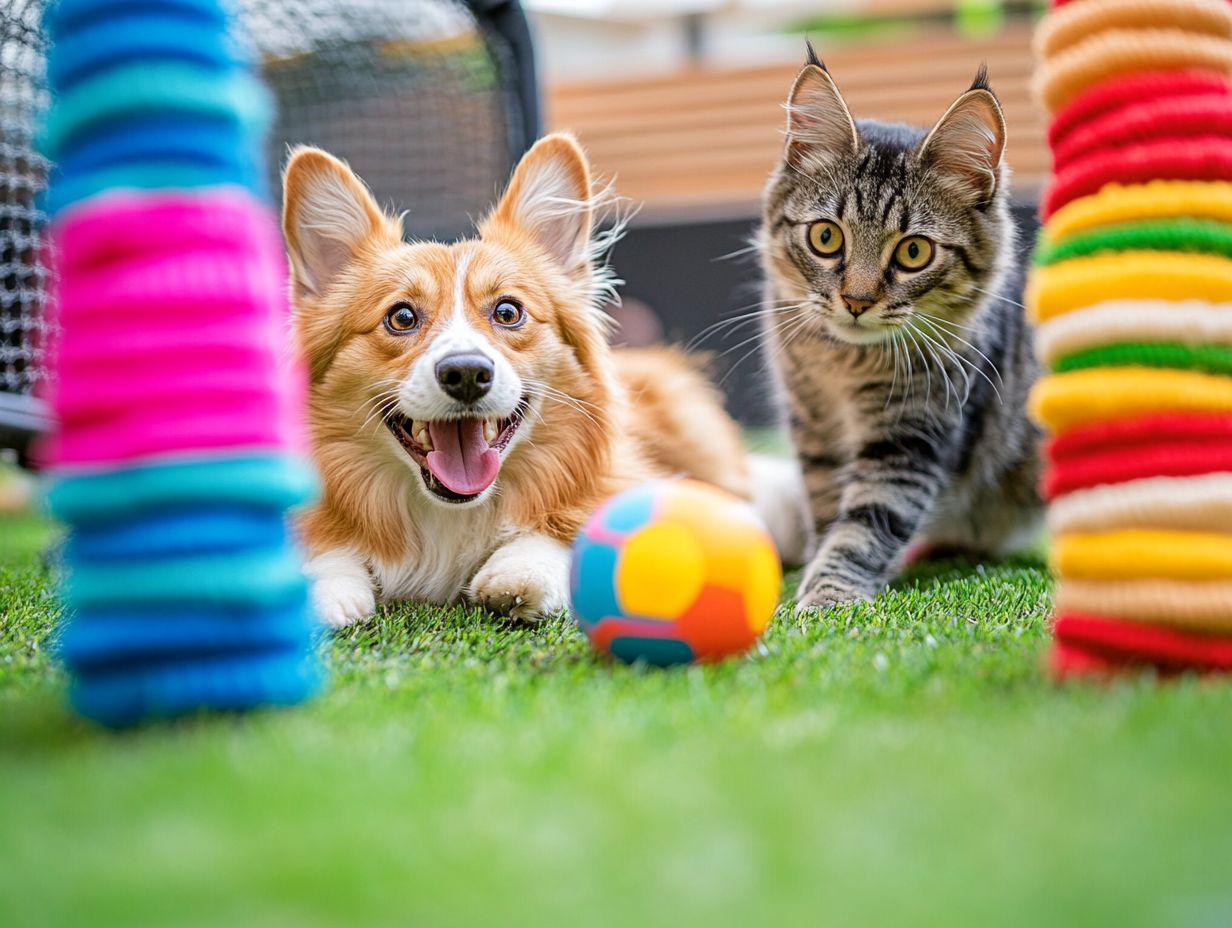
{"type": "Point", "coordinates": [466, 411]}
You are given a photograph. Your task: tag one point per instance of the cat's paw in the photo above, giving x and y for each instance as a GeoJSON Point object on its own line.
{"type": "Point", "coordinates": [822, 592]}
{"type": "Point", "coordinates": [527, 579]}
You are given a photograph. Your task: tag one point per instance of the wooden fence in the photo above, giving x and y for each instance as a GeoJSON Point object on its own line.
{"type": "Point", "coordinates": [701, 141]}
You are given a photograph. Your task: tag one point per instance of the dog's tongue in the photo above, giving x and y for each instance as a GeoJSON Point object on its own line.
{"type": "Point", "coordinates": [462, 459]}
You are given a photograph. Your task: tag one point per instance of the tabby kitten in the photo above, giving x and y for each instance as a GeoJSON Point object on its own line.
{"type": "Point", "coordinates": [901, 353]}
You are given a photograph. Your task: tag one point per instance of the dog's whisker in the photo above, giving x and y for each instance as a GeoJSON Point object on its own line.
{"type": "Point", "coordinates": [542, 391]}
{"type": "Point", "coordinates": [381, 405]}
{"type": "Point", "coordinates": [546, 388]}
{"type": "Point", "coordinates": [377, 398]}
{"type": "Point", "coordinates": [379, 414]}
{"type": "Point", "coordinates": [542, 385]}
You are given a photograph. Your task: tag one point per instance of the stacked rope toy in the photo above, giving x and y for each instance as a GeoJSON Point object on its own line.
{"type": "Point", "coordinates": [178, 446]}
{"type": "Point", "coordinates": [1132, 296]}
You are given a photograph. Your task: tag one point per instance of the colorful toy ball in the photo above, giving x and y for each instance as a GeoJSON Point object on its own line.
{"type": "Point", "coordinates": [674, 571]}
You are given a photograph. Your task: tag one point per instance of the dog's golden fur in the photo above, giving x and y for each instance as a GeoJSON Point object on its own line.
{"type": "Point", "coordinates": [599, 421]}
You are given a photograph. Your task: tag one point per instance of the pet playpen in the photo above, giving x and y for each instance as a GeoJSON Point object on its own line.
{"type": "Point", "coordinates": [431, 101]}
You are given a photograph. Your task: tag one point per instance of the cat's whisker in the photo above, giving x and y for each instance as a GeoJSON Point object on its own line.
{"type": "Point", "coordinates": [746, 250]}
{"type": "Point", "coordinates": [892, 341]}
{"type": "Point", "coordinates": [762, 333]}
{"type": "Point", "coordinates": [928, 369]}
{"type": "Point", "coordinates": [910, 376]}
{"type": "Point", "coordinates": [949, 325]}
{"type": "Point", "coordinates": [939, 351]}
{"type": "Point", "coordinates": [738, 322]}
{"type": "Point", "coordinates": [895, 342]}
{"type": "Point", "coordinates": [764, 304]}
{"type": "Point", "coordinates": [787, 330]}
{"type": "Point", "coordinates": [921, 348]}
{"type": "Point", "coordinates": [975, 368]}
{"type": "Point", "coordinates": [933, 324]}
{"type": "Point", "coordinates": [795, 331]}
{"type": "Point", "coordinates": [946, 350]}
{"type": "Point", "coordinates": [998, 296]}
{"type": "Point", "coordinates": [928, 353]}
{"type": "Point", "coordinates": [950, 322]}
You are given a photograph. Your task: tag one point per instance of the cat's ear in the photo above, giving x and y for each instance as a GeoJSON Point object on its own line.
{"type": "Point", "coordinates": [549, 199]}
{"type": "Point", "coordinates": [966, 145]}
{"type": "Point", "coordinates": [327, 216]}
{"type": "Point", "coordinates": [819, 125]}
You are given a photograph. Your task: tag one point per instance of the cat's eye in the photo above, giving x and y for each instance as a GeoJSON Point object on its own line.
{"type": "Point", "coordinates": [402, 319]}
{"type": "Point", "coordinates": [913, 253]}
{"type": "Point", "coordinates": [825, 238]}
{"type": "Point", "coordinates": [508, 314]}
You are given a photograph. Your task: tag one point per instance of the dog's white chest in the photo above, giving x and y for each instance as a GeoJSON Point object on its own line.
{"type": "Point", "coordinates": [452, 546]}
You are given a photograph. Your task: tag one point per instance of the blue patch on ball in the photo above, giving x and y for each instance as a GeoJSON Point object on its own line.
{"type": "Point", "coordinates": [594, 572]}
{"type": "Point", "coordinates": [632, 509]}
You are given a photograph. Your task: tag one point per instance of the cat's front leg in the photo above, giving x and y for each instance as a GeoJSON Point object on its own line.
{"type": "Point", "coordinates": [820, 474]}
{"type": "Point", "coordinates": [527, 578]}
{"type": "Point", "coordinates": [821, 455]}
{"type": "Point", "coordinates": [887, 492]}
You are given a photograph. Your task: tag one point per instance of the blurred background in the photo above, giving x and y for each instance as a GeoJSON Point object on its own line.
{"type": "Point", "coordinates": [433, 101]}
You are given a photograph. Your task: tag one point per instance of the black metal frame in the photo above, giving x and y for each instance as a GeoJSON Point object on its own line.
{"type": "Point", "coordinates": [21, 418]}
{"type": "Point", "coordinates": [507, 19]}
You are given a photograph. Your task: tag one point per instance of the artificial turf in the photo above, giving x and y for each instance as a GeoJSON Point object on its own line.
{"type": "Point", "coordinates": [907, 762]}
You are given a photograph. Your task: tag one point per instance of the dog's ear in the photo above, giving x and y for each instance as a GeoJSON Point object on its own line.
{"type": "Point", "coordinates": [327, 214]}
{"type": "Point", "coordinates": [549, 200]}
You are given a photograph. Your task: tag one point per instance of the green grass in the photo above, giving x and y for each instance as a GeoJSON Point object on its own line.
{"type": "Point", "coordinates": [904, 763]}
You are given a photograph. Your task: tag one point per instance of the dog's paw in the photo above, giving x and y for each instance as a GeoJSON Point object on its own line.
{"type": "Point", "coordinates": [820, 593]}
{"type": "Point", "coordinates": [342, 601]}
{"type": "Point", "coordinates": [342, 592]}
{"type": "Point", "coordinates": [527, 579]}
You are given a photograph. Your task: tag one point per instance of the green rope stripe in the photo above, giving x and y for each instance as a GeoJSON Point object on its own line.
{"type": "Point", "coordinates": [1160, 235]}
{"type": "Point", "coordinates": [1214, 359]}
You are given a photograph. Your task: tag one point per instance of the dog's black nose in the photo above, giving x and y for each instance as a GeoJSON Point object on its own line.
{"type": "Point", "coordinates": [465, 376]}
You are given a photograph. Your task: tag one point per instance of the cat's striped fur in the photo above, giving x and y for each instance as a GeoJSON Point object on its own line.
{"type": "Point", "coordinates": [904, 390]}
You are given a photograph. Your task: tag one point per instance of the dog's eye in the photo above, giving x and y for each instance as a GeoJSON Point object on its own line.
{"type": "Point", "coordinates": [401, 319]}
{"type": "Point", "coordinates": [508, 314]}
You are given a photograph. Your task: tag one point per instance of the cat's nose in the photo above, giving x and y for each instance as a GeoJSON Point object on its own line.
{"type": "Point", "coordinates": [857, 305]}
